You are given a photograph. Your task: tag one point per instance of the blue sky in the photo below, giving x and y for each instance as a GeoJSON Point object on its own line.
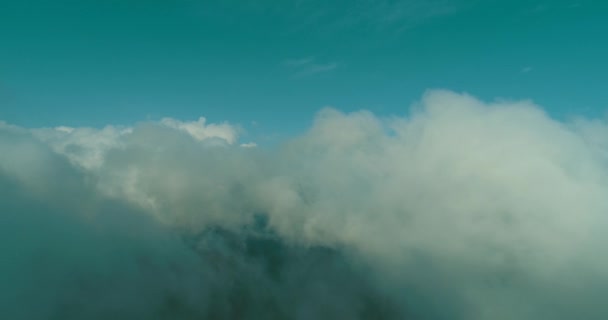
{"type": "Point", "coordinates": [92, 63]}
{"type": "Point", "coordinates": [125, 195]}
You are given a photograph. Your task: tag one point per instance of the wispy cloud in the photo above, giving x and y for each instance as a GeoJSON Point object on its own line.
{"type": "Point", "coordinates": [316, 69]}
{"type": "Point", "coordinates": [308, 66]}
{"type": "Point", "coordinates": [526, 69]}
{"type": "Point", "coordinates": [406, 14]}
{"type": "Point", "coordinates": [374, 16]}
{"type": "Point", "coordinates": [298, 62]}
{"type": "Point", "coordinates": [550, 8]}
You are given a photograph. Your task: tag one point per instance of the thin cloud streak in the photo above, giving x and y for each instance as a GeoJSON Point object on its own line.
{"type": "Point", "coordinates": [304, 67]}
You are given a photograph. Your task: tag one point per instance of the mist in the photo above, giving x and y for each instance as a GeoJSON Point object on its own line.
{"type": "Point", "coordinates": [456, 209]}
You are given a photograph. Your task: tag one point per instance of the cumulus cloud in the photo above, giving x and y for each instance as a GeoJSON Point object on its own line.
{"type": "Point", "coordinates": [87, 147]}
{"type": "Point", "coordinates": [83, 146]}
{"type": "Point", "coordinates": [459, 209]}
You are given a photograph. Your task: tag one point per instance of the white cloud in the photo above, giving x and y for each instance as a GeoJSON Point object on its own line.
{"type": "Point", "coordinates": [87, 147]}
{"type": "Point", "coordinates": [83, 146]}
{"type": "Point", "coordinates": [200, 130]}
{"type": "Point", "coordinates": [64, 129]}
{"type": "Point", "coordinates": [473, 210]}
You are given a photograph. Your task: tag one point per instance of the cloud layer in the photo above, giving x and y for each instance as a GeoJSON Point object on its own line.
{"type": "Point", "coordinates": [460, 209]}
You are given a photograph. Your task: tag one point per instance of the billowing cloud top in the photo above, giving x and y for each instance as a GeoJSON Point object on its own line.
{"type": "Point", "coordinates": [201, 131]}
{"type": "Point", "coordinates": [459, 210]}
{"type": "Point", "coordinates": [87, 146]}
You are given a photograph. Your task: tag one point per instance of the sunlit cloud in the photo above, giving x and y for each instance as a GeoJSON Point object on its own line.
{"type": "Point", "coordinates": [458, 209]}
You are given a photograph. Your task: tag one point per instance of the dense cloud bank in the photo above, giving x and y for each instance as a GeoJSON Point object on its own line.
{"type": "Point", "coordinates": [459, 210]}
